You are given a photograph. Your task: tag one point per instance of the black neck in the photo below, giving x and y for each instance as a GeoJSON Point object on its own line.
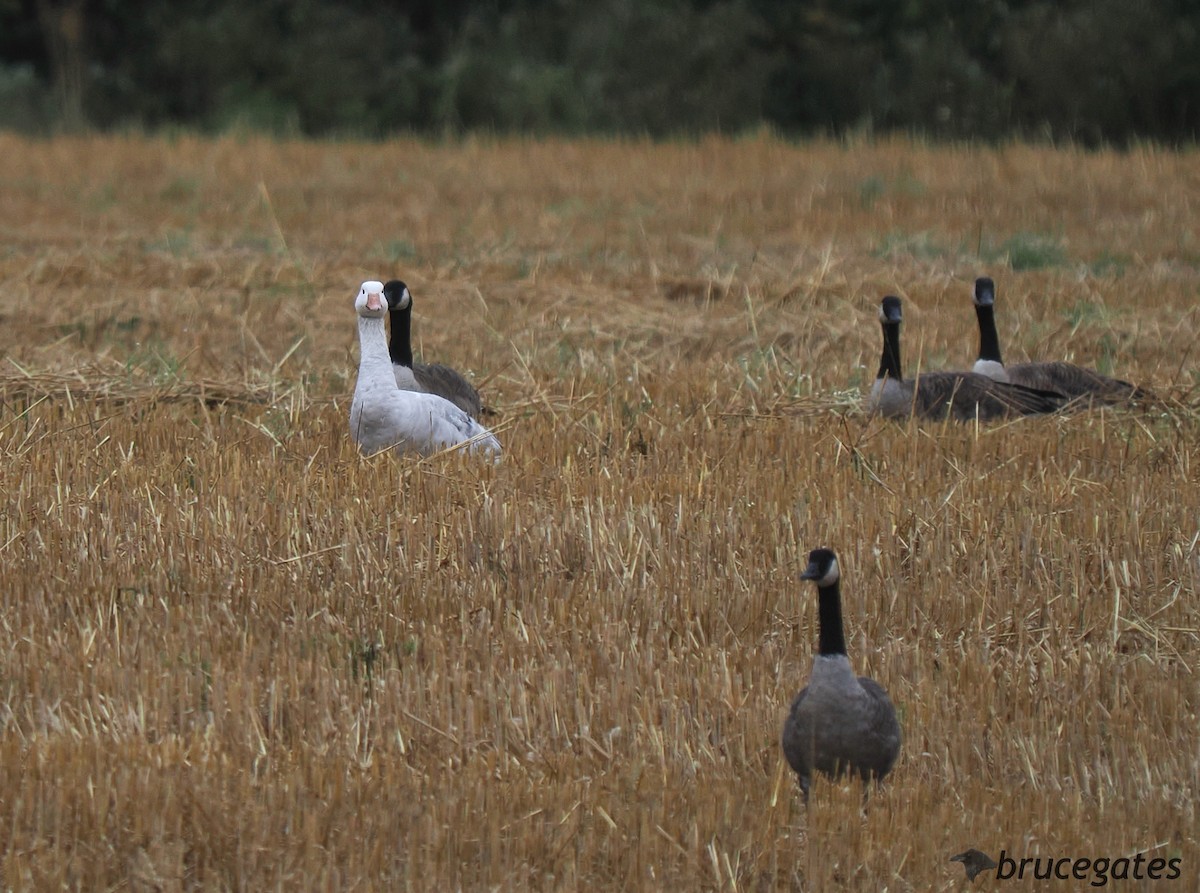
{"type": "Point", "coordinates": [400, 344]}
{"type": "Point", "coordinates": [832, 640]}
{"type": "Point", "coordinates": [989, 343]}
{"type": "Point", "coordinates": [889, 363]}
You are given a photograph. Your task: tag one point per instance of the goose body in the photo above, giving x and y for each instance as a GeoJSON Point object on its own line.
{"type": "Point", "coordinates": [383, 416]}
{"type": "Point", "coordinates": [427, 378]}
{"type": "Point", "coordinates": [961, 395]}
{"type": "Point", "coordinates": [1074, 382]}
{"type": "Point", "coordinates": [839, 723]}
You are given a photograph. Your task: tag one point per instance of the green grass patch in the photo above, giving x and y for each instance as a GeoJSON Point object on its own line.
{"type": "Point", "coordinates": [1029, 251]}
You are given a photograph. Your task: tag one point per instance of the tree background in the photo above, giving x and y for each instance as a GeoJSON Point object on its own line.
{"type": "Point", "coordinates": [1092, 71]}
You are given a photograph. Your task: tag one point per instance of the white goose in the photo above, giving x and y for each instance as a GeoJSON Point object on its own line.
{"type": "Point", "coordinates": [383, 416]}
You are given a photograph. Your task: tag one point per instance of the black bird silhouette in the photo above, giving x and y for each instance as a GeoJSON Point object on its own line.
{"type": "Point", "coordinates": [974, 861]}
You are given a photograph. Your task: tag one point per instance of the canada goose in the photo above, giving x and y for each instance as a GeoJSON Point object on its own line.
{"type": "Point", "coordinates": [1074, 382]}
{"type": "Point", "coordinates": [384, 416]}
{"type": "Point", "coordinates": [431, 379]}
{"type": "Point", "coordinates": [838, 723]}
{"type": "Point", "coordinates": [963, 395]}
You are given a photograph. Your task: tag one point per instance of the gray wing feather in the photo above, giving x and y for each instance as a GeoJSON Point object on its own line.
{"type": "Point", "coordinates": [448, 383]}
{"type": "Point", "coordinates": [1075, 381]}
{"type": "Point", "coordinates": [885, 730]}
{"type": "Point", "coordinates": [967, 395]}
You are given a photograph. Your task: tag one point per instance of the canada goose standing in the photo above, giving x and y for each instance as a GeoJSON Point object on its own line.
{"type": "Point", "coordinates": [430, 378]}
{"type": "Point", "coordinates": [962, 395]}
{"type": "Point", "coordinates": [1074, 382]}
{"type": "Point", "coordinates": [839, 723]}
{"type": "Point", "coordinates": [383, 416]}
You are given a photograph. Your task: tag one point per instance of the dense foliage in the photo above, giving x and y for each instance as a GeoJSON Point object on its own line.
{"type": "Point", "coordinates": [1089, 70]}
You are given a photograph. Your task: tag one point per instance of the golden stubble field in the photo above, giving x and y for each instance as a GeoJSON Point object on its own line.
{"type": "Point", "coordinates": [239, 656]}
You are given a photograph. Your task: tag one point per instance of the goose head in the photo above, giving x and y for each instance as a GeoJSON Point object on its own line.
{"type": "Point", "coordinates": [985, 292]}
{"type": "Point", "coordinates": [398, 296]}
{"type": "Point", "coordinates": [822, 568]}
{"type": "Point", "coordinates": [370, 302]}
{"type": "Point", "coordinates": [889, 311]}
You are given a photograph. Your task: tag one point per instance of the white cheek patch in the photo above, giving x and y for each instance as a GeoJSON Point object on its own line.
{"type": "Point", "coordinates": [831, 576]}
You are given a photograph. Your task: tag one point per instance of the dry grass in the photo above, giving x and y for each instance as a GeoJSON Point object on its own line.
{"type": "Point", "coordinates": [239, 656]}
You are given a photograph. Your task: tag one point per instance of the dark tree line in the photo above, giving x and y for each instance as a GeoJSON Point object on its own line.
{"type": "Point", "coordinates": [1087, 70]}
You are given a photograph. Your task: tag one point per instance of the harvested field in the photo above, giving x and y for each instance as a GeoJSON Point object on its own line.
{"type": "Point", "coordinates": [239, 656]}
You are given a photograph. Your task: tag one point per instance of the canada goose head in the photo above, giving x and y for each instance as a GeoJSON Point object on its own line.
{"type": "Point", "coordinates": [889, 311]}
{"type": "Point", "coordinates": [985, 292]}
{"type": "Point", "coordinates": [822, 568]}
{"type": "Point", "coordinates": [398, 296]}
{"type": "Point", "coordinates": [370, 303]}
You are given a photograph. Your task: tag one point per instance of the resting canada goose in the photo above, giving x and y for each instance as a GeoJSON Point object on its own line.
{"type": "Point", "coordinates": [963, 395]}
{"type": "Point", "coordinates": [838, 723]}
{"type": "Point", "coordinates": [383, 416]}
{"type": "Point", "coordinates": [431, 379]}
{"type": "Point", "coordinates": [1072, 381]}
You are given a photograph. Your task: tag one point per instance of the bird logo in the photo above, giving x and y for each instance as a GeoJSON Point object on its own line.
{"type": "Point", "coordinates": [974, 861]}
